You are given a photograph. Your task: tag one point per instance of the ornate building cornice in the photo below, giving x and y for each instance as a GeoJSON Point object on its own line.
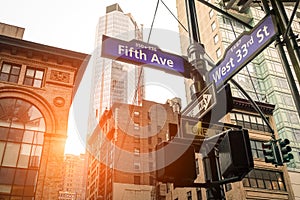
{"type": "Point", "coordinates": [42, 52]}
{"type": "Point", "coordinates": [245, 105]}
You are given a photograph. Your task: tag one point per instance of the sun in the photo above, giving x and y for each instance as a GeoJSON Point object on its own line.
{"type": "Point", "coordinates": [74, 144]}
{"type": "Point", "coordinates": [158, 92]}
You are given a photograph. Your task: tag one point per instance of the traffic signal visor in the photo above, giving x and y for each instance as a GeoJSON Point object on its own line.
{"type": "Point", "coordinates": [269, 152]}
{"type": "Point", "coordinates": [285, 150]}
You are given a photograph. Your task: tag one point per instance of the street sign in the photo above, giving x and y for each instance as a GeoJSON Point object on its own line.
{"type": "Point", "coordinates": [141, 53]}
{"type": "Point", "coordinates": [191, 127]}
{"type": "Point", "coordinates": [243, 50]}
{"type": "Point", "coordinates": [203, 104]}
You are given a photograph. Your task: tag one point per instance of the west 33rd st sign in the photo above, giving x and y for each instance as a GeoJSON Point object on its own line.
{"type": "Point", "coordinates": [243, 50]}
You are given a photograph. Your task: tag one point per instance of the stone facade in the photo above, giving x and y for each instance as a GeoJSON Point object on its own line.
{"type": "Point", "coordinates": [51, 94]}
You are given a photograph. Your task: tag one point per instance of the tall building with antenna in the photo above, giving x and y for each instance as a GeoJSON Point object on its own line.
{"type": "Point", "coordinates": [114, 81]}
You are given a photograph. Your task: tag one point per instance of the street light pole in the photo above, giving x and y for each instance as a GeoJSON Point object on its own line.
{"type": "Point", "coordinates": [195, 50]}
{"type": "Point", "coordinates": [196, 54]}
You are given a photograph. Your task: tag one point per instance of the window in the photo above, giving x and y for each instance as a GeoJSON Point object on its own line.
{"type": "Point", "coordinates": [150, 152]}
{"type": "Point", "coordinates": [295, 131]}
{"type": "Point", "coordinates": [197, 167]}
{"type": "Point", "coordinates": [189, 195]}
{"type": "Point", "coordinates": [149, 140]}
{"type": "Point", "coordinates": [173, 129]}
{"type": "Point", "coordinates": [211, 13]}
{"type": "Point", "coordinates": [34, 77]}
{"type": "Point", "coordinates": [150, 166]}
{"type": "Point", "coordinates": [249, 121]}
{"type": "Point", "coordinates": [136, 151]}
{"type": "Point", "coordinates": [228, 187]}
{"type": "Point", "coordinates": [136, 113]}
{"type": "Point", "coordinates": [213, 26]}
{"type": "Point", "coordinates": [137, 180]}
{"type": "Point", "coordinates": [149, 116]}
{"type": "Point", "coordinates": [218, 53]}
{"type": "Point", "coordinates": [151, 180]}
{"type": "Point", "coordinates": [257, 149]}
{"type": "Point", "coordinates": [10, 72]}
{"type": "Point", "coordinates": [22, 129]}
{"type": "Point", "coordinates": [11, 154]}
{"type": "Point", "coordinates": [264, 179]}
{"type": "Point", "coordinates": [136, 126]}
{"type": "Point", "coordinates": [293, 118]}
{"type": "Point", "coordinates": [199, 195]}
{"type": "Point", "coordinates": [137, 166]}
{"type": "Point", "coordinates": [136, 138]}
{"type": "Point", "coordinates": [216, 38]}
{"type": "Point", "coordinates": [288, 100]}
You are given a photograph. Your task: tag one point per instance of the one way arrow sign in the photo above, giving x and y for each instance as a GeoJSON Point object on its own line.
{"type": "Point", "coordinates": [204, 103]}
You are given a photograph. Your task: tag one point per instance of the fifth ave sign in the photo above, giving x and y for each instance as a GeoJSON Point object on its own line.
{"type": "Point", "coordinates": [141, 53]}
{"type": "Point", "coordinates": [243, 50]}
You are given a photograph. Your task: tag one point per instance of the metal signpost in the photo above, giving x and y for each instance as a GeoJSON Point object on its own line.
{"type": "Point", "coordinates": [243, 50]}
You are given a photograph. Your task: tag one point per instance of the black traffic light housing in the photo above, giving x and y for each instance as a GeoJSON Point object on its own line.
{"type": "Point", "coordinates": [277, 152]}
{"type": "Point", "coordinates": [175, 163]}
{"type": "Point", "coordinates": [240, 5]}
{"type": "Point", "coordinates": [235, 155]}
{"type": "Point", "coordinates": [269, 150]}
{"type": "Point", "coordinates": [285, 150]}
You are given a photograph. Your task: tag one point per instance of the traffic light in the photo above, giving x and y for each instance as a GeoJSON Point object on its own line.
{"type": "Point", "coordinates": [235, 154]}
{"type": "Point", "coordinates": [176, 164]}
{"type": "Point", "coordinates": [239, 5]}
{"type": "Point", "coordinates": [286, 156]}
{"type": "Point", "coordinates": [269, 150]}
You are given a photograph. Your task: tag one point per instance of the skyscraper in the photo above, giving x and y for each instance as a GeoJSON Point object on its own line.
{"type": "Point", "coordinates": [122, 162]}
{"type": "Point", "coordinates": [114, 81]}
{"type": "Point", "coordinates": [264, 78]}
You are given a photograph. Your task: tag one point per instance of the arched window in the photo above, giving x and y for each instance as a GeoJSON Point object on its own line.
{"type": "Point", "coordinates": [22, 128]}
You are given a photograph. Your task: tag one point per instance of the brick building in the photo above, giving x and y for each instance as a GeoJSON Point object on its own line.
{"type": "Point", "coordinates": [37, 84]}
{"type": "Point", "coordinates": [122, 167]}
{"type": "Point", "coordinates": [122, 150]}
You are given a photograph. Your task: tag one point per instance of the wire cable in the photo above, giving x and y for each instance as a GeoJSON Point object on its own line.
{"type": "Point", "coordinates": [153, 21]}
{"type": "Point", "coordinates": [141, 71]}
{"type": "Point", "coordinates": [174, 16]}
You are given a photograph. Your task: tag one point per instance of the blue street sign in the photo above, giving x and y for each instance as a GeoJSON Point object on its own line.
{"type": "Point", "coordinates": [243, 50]}
{"type": "Point", "coordinates": [141, 53]}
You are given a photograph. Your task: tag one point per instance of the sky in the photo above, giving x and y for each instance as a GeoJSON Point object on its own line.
{"type": "Point", "coordinates": [72, 24]}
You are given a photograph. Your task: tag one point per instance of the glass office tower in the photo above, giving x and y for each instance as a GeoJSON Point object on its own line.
{"type": "Point", "coordinates": [264, 78]}
{"type": "Point", "coordinates": [114, 81]}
